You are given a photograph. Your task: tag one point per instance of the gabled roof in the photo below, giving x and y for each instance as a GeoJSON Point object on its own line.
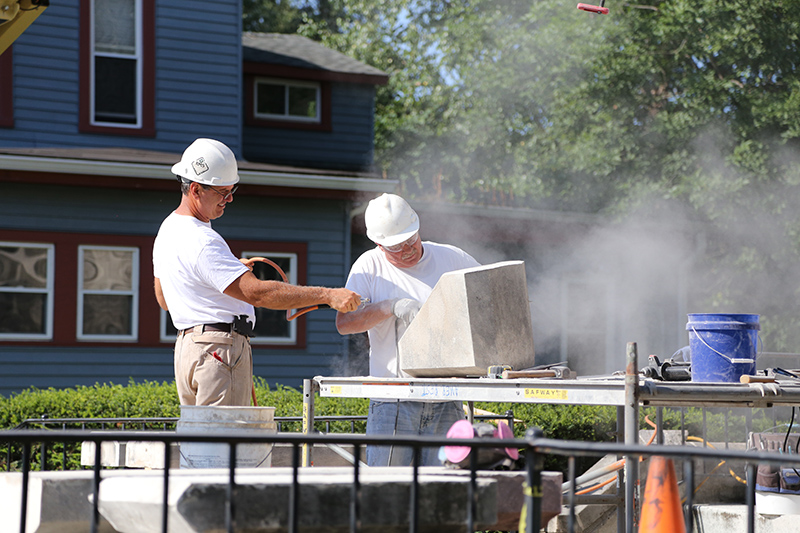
{"type": "Point", "coordinates": [297, 52]}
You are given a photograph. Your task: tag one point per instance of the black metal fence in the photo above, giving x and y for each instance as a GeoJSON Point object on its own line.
{"type": "Point", "coordinates": [534, 448]}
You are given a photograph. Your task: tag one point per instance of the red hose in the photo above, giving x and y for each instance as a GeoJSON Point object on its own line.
{"type": "Point", "coordinates": [302, 310]}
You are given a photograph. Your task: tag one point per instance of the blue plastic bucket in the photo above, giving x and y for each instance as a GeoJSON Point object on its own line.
{"type": "Point", "coordinates": [723, 347]}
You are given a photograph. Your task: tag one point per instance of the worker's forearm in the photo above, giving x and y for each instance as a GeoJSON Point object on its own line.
{"type": "Point", "coordinates": [365, 318]}
{"type": "Point", "coordinates": [282, 296]}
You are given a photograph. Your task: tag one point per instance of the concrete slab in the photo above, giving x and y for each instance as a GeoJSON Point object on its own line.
{"type": "Point", "coordinates": [132, 503]}
{"type": "Point", "coordinates": [727, 518]}
{"type": "Point", "coordinates": [58, 502]}
{"type": "Point", "coordinates": [511, 496]}
{"type": "Point", "coordinates": [131, 454]}
{"type": "Point", "coordinates": [474, 318]}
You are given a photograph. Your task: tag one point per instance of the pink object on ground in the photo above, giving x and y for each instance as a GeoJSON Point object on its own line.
{"type": "Point", "coordinates": [460, 430]}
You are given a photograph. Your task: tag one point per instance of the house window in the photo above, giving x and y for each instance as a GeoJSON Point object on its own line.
{"type": "Point", "coordinates": [271, 325]}
{"type": "Point", "coordinates": [116, 68]}
{"type": "Point", "coordinates": [284, 100]}
{"type": "Point", "coordinates": [26, 291]}
{"type": "Point", "coordinates": [108, 293]}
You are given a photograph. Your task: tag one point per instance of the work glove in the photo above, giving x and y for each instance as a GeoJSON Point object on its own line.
{"type": "Point", "coordinates": [405, 309]}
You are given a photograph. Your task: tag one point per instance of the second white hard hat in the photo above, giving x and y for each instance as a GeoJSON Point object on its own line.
{"type": "Point", "coordinates": [209, 162]}
{"type": "Point", "coordinates": [390, 220]}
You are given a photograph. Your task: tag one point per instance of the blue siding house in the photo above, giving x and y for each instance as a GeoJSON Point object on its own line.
{"type": "Point", "coordinates": [96, 104]}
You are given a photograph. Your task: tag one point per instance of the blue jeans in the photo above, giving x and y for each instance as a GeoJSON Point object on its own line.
{"type": "Point", "coordinates": [409, 418]}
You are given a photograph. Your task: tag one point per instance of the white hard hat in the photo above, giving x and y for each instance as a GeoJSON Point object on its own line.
{"type": "Point", "coordinates": [208, 162]}
{"type": "Point", "coordinates": [390, 220]}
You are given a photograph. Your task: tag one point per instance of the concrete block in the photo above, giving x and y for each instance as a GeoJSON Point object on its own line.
{"type": "Point", "coordinates": [112, 453]}
{"type": "Point", "coordinates": [132, 454]}
{"type": "Point", "coordinates": [58, 502]}
{"type": "Point", "coordinates": [146, 454]}
{"type": "Point", "coordinates": [132, 504]}
{"type": "Point", "coordinates": [511, 496]}
{"type": "Point", "coordinates": [727, 518]}
{"type": "Point", "coordinates": [474, 318]}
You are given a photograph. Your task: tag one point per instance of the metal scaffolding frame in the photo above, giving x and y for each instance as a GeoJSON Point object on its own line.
{"type": "Point", "coordinates": [627, 392]}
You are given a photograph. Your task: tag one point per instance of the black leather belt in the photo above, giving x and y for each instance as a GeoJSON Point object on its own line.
{"type": "Point", "coordinates": [219, 326]}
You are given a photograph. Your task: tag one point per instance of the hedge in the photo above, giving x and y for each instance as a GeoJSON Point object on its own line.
{"type": "Point", "coordinates": [153, 399]}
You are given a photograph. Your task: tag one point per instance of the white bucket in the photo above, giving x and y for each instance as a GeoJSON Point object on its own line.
{"type": "Point", "coordinates": [220, 421]}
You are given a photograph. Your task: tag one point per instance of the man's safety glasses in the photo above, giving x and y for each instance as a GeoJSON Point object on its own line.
{"type": "Point", "coordinates": [399, 247]}
{"type": "Point", "coordinates": [225, 197]}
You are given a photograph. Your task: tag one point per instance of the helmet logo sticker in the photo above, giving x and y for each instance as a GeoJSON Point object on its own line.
{"type": "Point", "coordinates": [199, 165]}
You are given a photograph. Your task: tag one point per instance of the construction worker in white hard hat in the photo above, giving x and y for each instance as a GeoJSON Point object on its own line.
{"type": "Point", "coordinates": [210, 293]}
{"type": "Point", "coordinates": [397, 276]}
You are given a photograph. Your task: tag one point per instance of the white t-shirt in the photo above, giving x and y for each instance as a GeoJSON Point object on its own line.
{"type": "Point", "coordinates": [195, 265]}
{"type": "Point", "coordinates": [373, 276]}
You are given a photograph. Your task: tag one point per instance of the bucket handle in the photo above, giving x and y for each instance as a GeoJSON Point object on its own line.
{"type": "Point", "coordinates": [733, 361]}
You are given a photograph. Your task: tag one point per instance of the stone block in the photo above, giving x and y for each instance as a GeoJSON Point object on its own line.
{"type": "Point", "coordinates": [131, 454]}
{"type": "Point", "coordinates": [112, 453]}
{"type": "Point", "coordinates": [511, 496]}
{"type": "Point", "coordinates": [58, 502]}
{"type": "Point", "coordinates": [196, 501]}
{"type": "Point", "coordinates": [474, 318]}
{"type": "Point", "coordinates": [147, 454]}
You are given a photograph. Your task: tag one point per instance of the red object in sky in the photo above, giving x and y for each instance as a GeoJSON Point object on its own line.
{"type": "Point", "coordinates": [600, 10]}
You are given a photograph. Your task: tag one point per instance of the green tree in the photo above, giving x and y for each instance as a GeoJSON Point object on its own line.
{"type": "Point", "coordinates": [537, 104]}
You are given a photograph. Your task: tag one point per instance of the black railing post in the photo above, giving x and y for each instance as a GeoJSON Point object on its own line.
{"type": "Point", "coordinates": [472, 491]}
{"type": "Point", "coordinates": [510, 418]}
{"type": "Point", "coordinates": [294, 491]}
{"type": "Point", "coordinates": [533, 491]}
{"type": "Point", "coordinates": [43, 458]}
{"type": "Point", "coordinates": [98, 448]}
{"type": "Point", "coordinates": [750, 497]}
{"type": "Point", "coordinates": [26, 467]}
{"type": "Point", "coordinates": [355, 494]}
{"type": "Point", "coordinates": [230, 508]}
{"type": "Point", "coordinates": [413, 495]}
{"type": "Point", "coordinates": [165, 502]}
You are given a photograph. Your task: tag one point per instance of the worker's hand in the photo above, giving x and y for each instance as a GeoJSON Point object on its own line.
{"type": "Point", "coordinates": [248, 261]}
{"type": "Point", "coordinates": [406, 309]}
{"type": "Point", "coordinates": [344, 300]}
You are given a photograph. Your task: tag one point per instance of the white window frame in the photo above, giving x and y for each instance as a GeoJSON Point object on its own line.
{"type": "Point", "coordinates": [133, 292]}
{"type": "Point", "coordinates": [137, 56]}
{"type": "Point", "coordinates": [48, 289]}
{"type": "Point", "coordinates": [287, 84]}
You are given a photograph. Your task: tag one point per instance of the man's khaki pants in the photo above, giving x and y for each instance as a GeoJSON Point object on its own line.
{"type": "Point", "coordinates": [213, 368]}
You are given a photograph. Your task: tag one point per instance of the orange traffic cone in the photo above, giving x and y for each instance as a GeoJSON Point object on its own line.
{"type": "Point", "coordinates": [661, 510]}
